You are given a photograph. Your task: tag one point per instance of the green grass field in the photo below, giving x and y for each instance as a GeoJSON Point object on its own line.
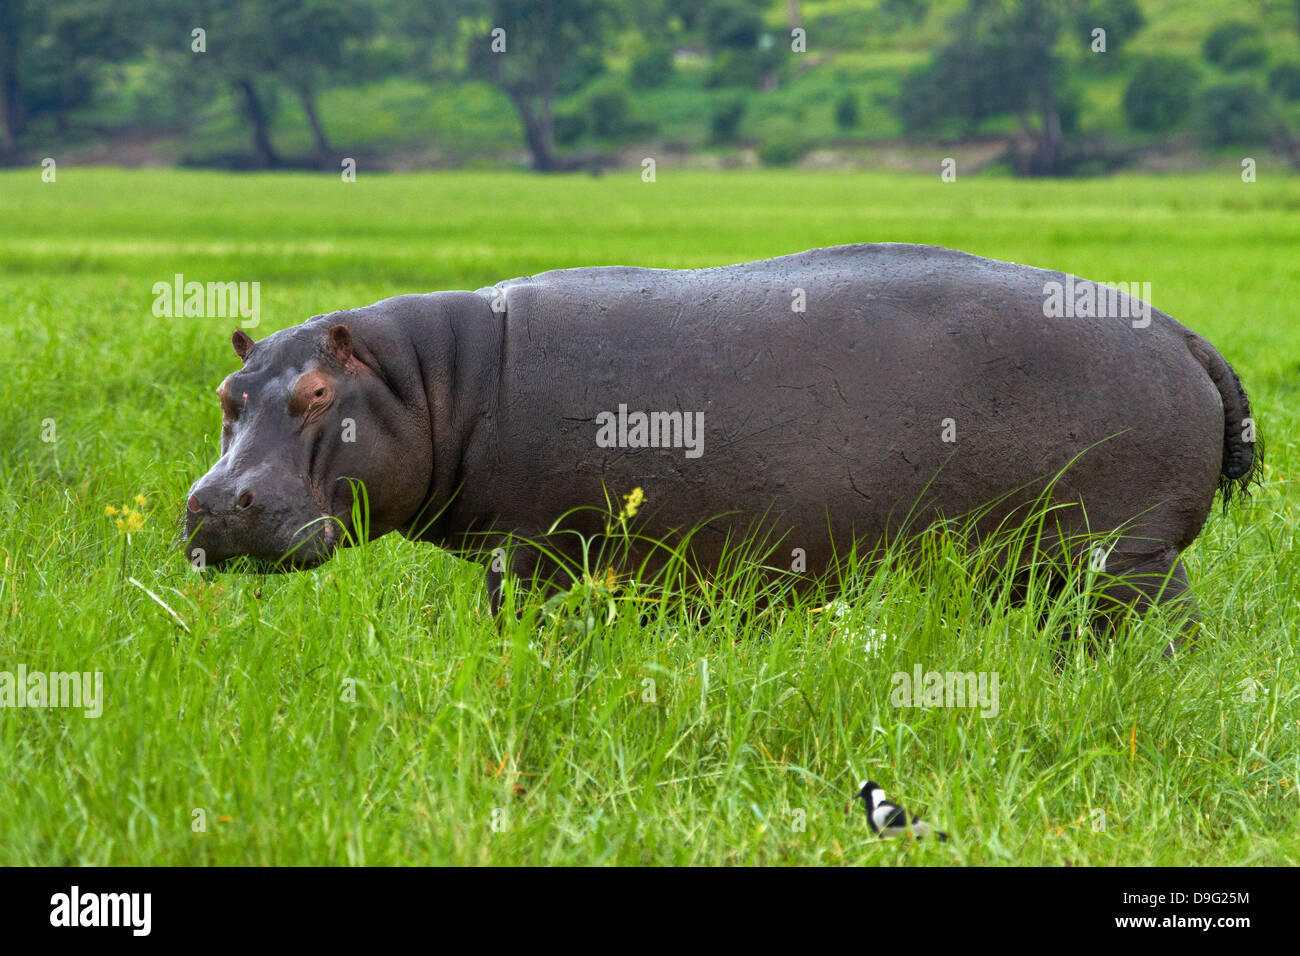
{"type": "Point", "coordinates": [535, 743]}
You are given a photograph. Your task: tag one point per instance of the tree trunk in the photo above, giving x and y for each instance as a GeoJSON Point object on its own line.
{"type": "Point", "coordinates": [11, 118]}
{"type": "Point", "coordinates": [1288, 143]}
{"type": "Point", "coordinates": [1049, 149]}
{"type": "Point", "coordinates": [262, 149]}
{"type": "Point", "coordinates": [8, 134]}
{"type": "Point", "coordinates": [308, 102]}
{"type": "Point", "coordinates": [1049, 140]}
{"type": "Point", "coordinates": [538, 131]}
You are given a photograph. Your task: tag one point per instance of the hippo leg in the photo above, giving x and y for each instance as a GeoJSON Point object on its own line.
{"type": "Point", "coordinates": [521, 565]}
{"type": "Point", "coordinates": [1191, 626]}
{"type": "Point", "coordinates": [1141, 581]}
{"type": "Point", "coordinates": [529, 565]}
{"type": "Point", "coordinates": [496, 581]}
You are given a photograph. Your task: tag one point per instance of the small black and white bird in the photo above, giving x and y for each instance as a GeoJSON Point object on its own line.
{"type": "Point", "coordinates": [889, 819]}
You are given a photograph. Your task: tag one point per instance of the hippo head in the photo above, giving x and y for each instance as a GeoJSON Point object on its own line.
{"type": "Point", "coordinates": [309, 410]}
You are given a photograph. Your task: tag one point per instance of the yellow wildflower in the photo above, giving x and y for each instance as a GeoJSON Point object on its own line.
{"type": "Point", "coordinates": [128, 520]}
{"type": "Point", "coordinates": [632, 503]}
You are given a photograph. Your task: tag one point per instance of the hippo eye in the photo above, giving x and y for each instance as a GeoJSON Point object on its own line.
{"type": "Point", "coordinates": [310, 395]}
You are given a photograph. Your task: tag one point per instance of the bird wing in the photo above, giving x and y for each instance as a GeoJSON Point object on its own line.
{"type": "Point", "coordinates": [889, 816]}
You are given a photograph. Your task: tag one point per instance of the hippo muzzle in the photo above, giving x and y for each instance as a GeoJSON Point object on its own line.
{"type": "Point", "coordinates": [277, 520]}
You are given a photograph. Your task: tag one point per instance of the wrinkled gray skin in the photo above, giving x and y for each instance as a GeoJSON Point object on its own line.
{"type": "Point", "coordinates": [821, 425]}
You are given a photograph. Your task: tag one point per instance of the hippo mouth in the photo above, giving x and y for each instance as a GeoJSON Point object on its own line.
{"type": "Point", "coordinates": [302, 558]}
{"type": "Point", "coordinates": [237, 542]}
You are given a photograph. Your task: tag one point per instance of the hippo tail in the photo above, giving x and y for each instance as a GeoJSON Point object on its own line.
{"type": "Point", "coordinates": [1243, 449]}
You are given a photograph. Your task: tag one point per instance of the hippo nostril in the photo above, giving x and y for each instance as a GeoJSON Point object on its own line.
{"type": "Point", "coordinates": [194, 504]}
{"type": "Point", "coordinates": [245, 500]}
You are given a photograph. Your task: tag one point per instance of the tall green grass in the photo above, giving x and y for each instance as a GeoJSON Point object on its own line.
{"type": "Point", "coordinates": [370, 711]}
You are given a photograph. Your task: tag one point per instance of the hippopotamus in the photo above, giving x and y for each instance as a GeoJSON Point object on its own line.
{"type": "Point", "coordinates": [833, 398]}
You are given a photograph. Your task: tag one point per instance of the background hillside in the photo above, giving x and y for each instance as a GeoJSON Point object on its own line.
{"type": "Point", "coordinates": [398, 84]}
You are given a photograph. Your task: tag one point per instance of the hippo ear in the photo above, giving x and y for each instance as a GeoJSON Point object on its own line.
{"type": "Point", "coordinates": [242, 343]}
{"type": "Point", "coordinates": [339, 343]}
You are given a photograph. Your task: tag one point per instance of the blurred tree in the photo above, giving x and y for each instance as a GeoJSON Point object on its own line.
{"type": "Point", "coordinates": [686, 12]}
{"type": "Point", "coordinates": [846, 110]}
{"type": "Point", "coordinates": [1005, 58]}
{"type": "Point", "coordinates": [1284, 81]}
{"type": "Point", "coordinates": [544, 50]}
{"type": "Point", "coordinates": [310, 46]}
{"type": "Point", "coordinates": [257, 47]}
{"type": "Point", "coordinates": [896, 13]}
{"type": "Point", "coordinates": [744, 53]}
{"type": "Point", "coordinates": [608, 108]}
{"type": "Point", "coordinates": [236, 50]}
{"type": "Point", "coordinates": [13, 26]}
{"type": "Point", "coordinates": [968, 81]}
{"type": "Point", "coordinates": [1234, 44]}
{"type": "Point", "coordinates": [784, 145]}
{"type": "Point", "coordinates": [1246, 55]}
{"type": "Point", "coordinates": [1121, 19]}
{"type": "Point", "coordinates": [733, 24]}
{"type": "Point", "coordinates": [51, 54]}
{"type": "Point", "coordinates": [652, 66]}
{"type": "Point", "coordinates": [1160, 92]}
{"type": "Point", "coordinates": [1234, 113]}
{"type": "Point", "coordinates": [657, 29]}
{"type": "Point", "coordinates": [725, 117]}
{"type": "Point", "coordinates": [428, 39]}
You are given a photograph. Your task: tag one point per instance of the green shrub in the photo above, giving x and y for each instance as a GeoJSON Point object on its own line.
{"type": "Point", "coordinates": [1160, 92]}
{"type": "Point", "coordinates": [724, 122]}
{"type": "Point", "coordinates": [1284, 81]}
{"type": "Point", "coordinates": [581, 70]}
{"type": "Point", "coordinates": [1222, 39]}
{"type": "Point", "coordinates": [1246, 55]}
{"type": "Point", "coordinates": [652, 67]}
{"type": "Point", "coordinates": [734, 68]}
{"type": "Point", "coordinates": [847, 114]}
{"type": "Point", "coordinates": [569, 127]}
{"type": "Point", "coordinates": [603, 112]}
{"type": "Point", "coordinates": [733, 24]}
{"type": "Point", "coordinates": [1069, 104]}
{"type": "Point", "coordinates": [608, 110]}
{"type": "Point", "coordinates": [1232, 113]}
{"type": "Point", "coordinates": [783, 147]}
{"type": "Point", "coordinates": [1121, 19]}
